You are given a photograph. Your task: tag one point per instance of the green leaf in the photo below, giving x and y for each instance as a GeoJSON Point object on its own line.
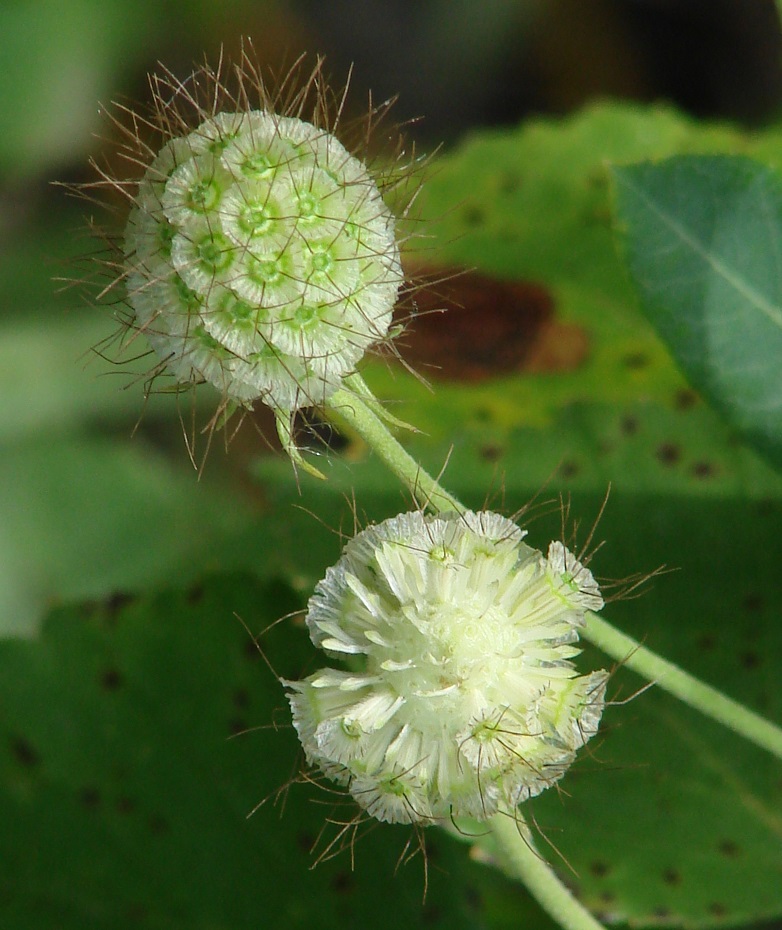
{"type": "Point", "coordinates": [134, 745]}
{"type": "Point", "coordinates": [703, 237]}
{"type": "Point", "coordinates": [84, 518]}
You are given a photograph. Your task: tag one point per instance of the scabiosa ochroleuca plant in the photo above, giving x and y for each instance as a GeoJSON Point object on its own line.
{"type": "Point", "coordinates": [467, 699]}
{"type": "Point", "coordinates": [260, 255]}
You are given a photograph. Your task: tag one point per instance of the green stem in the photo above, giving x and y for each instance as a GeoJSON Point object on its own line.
{"type": "Point", "coordinates": [355, 411]}
{"type": "Point", "coordinates": [515, 842]}
{"type": "Point", "coordinates": [682, 685]}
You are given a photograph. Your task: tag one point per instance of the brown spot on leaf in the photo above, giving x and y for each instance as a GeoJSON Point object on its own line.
{"type": "Point", "coordinates": [685, 398]}
{"type": "Point", "coordinates": [672, 877]}
{"type": "Point", "coordinates": [135, 913]}
{"type": "Point", "coordinates": [750, 660]}
{"type": "Point", "coordinates": [241, 698]}
{"type": "Point", "coordinates": [158, 824]}
{"type": "Point", "coordinates": [473, 327]}
{"type": "Point", "coordinates": [629, 425]}
{"type": "Point", "coordinates": [24, 752]}
{"type": "Point", "coordinates": [251, 650]}
{"type": "Point", "coordinates": [110, 679]}
{"type": "Point", "coordinates": [753, 602]}
{"type": "Point", "coordinates": [125, 805]}
{"type": "Point", "coordinates": [491, 453]}
{"type": "Point", "coordinates": [636, 360]}
{"type": "Point", "coordinates": [668, 453]}
{"type": "Point", "coordinates": [237, 725]}
{"type": "Point", "coordinates": [342, 882]}
{"type": "Point", "coordinates": [195, 594]}
{"type": "Point", "coordinates": [569, 469]}
{"type": "Point", "coordinates": [704, 470]}
{"type": "Point", "coordinates": [707, 641]}
{"type": "Point", "coordinates": [509, 182]}
{"type": "Point", "coordinates": [729, 849]}
{"type": "Point", "coordinates": [117, 602]}
{"type": "Point", "coordinates": [599, 868]}
{"type": "Point", "coordinates": [90, 797]}
{"type": "Point", "coordinates": [717, 909]}
{"type": "Point", "coordinates": [473, 215]}
{"type": "Point", "coordinates": [431, 914]}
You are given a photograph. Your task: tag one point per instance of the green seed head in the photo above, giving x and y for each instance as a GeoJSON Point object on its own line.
{"type": "Point", "coordinates": [260, 256]}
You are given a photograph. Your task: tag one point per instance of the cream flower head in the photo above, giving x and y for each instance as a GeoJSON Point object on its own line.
{"type": "Point", "coordinates": [261, 253]}
{"type": "Point", "coordinates": [464, 696]}
{"type": "Point", "coordinates": [261, 257]}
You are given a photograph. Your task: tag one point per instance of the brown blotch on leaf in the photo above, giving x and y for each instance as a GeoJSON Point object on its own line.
{"type": "Point", "coordinates": [668, 453]}
{"type": "Point", "coordinates": [305, 841]}
{"type": "Point", "coordinates": [717, 909]}
{"type": "Point", "coordinates": [750, 660]}
{"type": "Point", "coordinates": [431, 914]}
{"type": "Point", "coordinates": [24, 752]}
{"type": "Point", "coordinates": [473, 327]}
{"type": "Point", "coordinates": [599, 868]}
{"type": "Point", "coordinates": [110, 679]}
{"type": "Point", "coordinates": [707, 642]}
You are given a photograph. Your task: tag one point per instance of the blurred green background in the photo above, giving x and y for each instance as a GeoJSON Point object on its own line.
{"type": "Point", "coordinates": [115, 720]}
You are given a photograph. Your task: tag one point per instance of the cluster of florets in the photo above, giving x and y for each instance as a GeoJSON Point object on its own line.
{"type": "Point", "coordinates": [261, 257]}
{"type": "Point", "coordinates": [461, 695]}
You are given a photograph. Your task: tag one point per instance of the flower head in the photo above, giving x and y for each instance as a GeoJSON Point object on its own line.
{"type": "Point", "coordinates": [260, 255]}
{"type": "Point", "coordinates": [464, 697]}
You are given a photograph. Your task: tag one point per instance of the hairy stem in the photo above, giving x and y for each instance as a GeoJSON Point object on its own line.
{"type": "Point", "coordinates": [520, 857]}
{"type": "Point", "coordinates": [682, 685]}
{"type": "Point", "coordinates": [359, 413]}
{"type": "Point", "coordinates": [355, 411]}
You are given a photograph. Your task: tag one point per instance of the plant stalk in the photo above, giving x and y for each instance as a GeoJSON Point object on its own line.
{"type": "Point", "coordinates": [673, 679]}
{"type": "Point", "coordinates": [520, 857]}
